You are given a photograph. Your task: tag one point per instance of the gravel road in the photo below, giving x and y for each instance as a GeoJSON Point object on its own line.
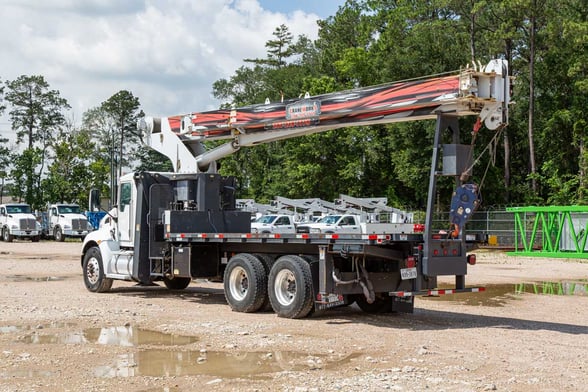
{"type": "Point", "coordinates": [57, 336]}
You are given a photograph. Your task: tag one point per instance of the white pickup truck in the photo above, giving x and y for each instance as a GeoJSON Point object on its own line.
{"type": "Point", "coordinates": [66, 220]}
{"type": "Point", "coordinates": [17, 221]}
{"type": "Point", "coordinates": [270, 224]}
{"type": "Point", "coordinates": [331, 224]}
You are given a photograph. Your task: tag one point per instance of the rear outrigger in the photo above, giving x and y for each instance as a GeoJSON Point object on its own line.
{"type": "Point", "coordinates": [178, 226]}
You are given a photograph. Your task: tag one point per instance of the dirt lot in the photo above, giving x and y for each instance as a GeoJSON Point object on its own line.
{"type": "Point", "coordinates": [57, 336]}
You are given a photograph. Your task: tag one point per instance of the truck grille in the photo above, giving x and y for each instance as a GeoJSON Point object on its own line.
{"type": "Point", "coordinates": [27, 224]}
{"type": "Point", "coordinates": [79, 224]}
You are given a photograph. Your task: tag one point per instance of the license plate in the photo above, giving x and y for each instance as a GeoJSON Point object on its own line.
{"type": "Point", "coordinates": [408, 273]}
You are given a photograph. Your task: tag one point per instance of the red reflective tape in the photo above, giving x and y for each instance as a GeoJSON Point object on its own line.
{"type": "Point", "coordinates": [372, 237]}
{"type": "Point", "coordinates": [277, 236]}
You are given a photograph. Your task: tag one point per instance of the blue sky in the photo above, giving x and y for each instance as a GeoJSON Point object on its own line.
{"type": "Point", "coordinates": [168, 53]}
{"type": "Point", "coordinates": [322, 8]}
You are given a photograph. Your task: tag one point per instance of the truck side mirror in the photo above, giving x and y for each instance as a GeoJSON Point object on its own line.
{"type": "Point", "coordinates": [94, 200]}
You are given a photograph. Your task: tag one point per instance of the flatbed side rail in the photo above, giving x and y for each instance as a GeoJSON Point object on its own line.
{"type": "Point", "coordinates": [372, 239]}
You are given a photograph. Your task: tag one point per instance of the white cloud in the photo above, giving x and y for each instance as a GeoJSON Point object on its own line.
{"type": "Point", "coordinates": [167, 52]}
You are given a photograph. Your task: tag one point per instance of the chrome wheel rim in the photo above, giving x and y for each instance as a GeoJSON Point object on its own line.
{"type": "Point", "coordinates": [285, 287]}
{"type": "Point", "coordinates": [93, 270]}
{"type": "Point", "coordinates": [238, 283]}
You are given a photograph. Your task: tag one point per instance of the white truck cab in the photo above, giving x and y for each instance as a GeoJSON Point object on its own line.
{"type": "Point", "coordinates": [67, 220]}
{"type": "Point", "coordinates": [274, 223]}
{"type": "Point", "coordinates": [331, 224]}
{"type": "Point", "coordinates": [17, 221]}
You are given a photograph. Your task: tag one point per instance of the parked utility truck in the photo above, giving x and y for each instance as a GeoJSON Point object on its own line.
{"type": "Point", "coordinates": [18, 221]}
{"type": "Point", "coordinates": [333, 223]}
{"type": "Point", "coordinates": [274, 223]}
{"type": "Point", "coordinates": [67, 220]}
{"type": "Point", "coordinates": [174, 227]}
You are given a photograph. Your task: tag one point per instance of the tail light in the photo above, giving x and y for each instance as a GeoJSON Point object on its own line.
{"type": "Point", "coordinates": [418, 228]}
{"type": "Point", "coordinates": [410, 262]}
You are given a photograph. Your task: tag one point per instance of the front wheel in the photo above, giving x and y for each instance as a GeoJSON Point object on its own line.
{"type": "Point", "coordinates": [245, 283]}
{"type": "Point", "coordinates": [177, 283]}
{"type": "Point", "coordinates": [290, 287]}
{"type": "Point", "coordinates": [93, 271]}
{"type": "Point", "coordinates": [7, 236]}
{"type": "Point", "coordinates": [58, 235]}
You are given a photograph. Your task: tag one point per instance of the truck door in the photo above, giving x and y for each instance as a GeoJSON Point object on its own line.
{"type": "Point", "coordinates": [349, 225]}
{"type": "Point", "coordinates": [284, 225]}
{"type": "Point", "coordinates": [53, 218]}
{"type": "Point", "coordinates": [125, 214]}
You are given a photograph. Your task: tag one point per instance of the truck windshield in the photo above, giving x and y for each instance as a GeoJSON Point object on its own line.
{"type": "Point", "coordinates": [330, 219]}
{"type": "Point", "coordinates": [20, 209]}
{"type": "Point", "coordinates": [266, 219]}
{"type": "Point", "coordinates": [68, 209]}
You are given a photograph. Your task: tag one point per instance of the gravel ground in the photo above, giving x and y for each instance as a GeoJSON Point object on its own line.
{"type": "Point", "coordinates": [57, 336]}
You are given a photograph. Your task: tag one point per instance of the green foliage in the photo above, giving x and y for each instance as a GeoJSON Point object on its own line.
{"type": "Point", "coordinates": [37, 114]}
{"type": "Point", "coordinates": [36, 111]}
{"type": "Point", "coordinates": [2, 105]}
{"type": "Point", "coordinates": [70, 178]}
{"type": "Point", "coordinates": [151, 160]}
{"type": "Point", "coordinates": [366, 42]}
{"type": "Point", "coordinates": [24, 176]}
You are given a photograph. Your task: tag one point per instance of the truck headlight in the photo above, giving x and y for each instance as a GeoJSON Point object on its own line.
{"type": "Point", "coordinates": [315, 230]}
{"type": "Point", "coordinates": [13, 227]}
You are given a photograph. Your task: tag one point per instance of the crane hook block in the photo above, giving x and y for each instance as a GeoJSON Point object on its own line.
{"type": "Point", "coordinates": [464, 203]}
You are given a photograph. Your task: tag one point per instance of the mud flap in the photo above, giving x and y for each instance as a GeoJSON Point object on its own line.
{"type": "Point", "coordinates": [403, 304]}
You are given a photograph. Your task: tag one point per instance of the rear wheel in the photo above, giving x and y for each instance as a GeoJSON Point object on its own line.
{"type": "Point", "coordinates": [290, 287]}
{"type": "Point", "coordinates": [267, 262]}
{"type": "Point", "coordinates": [245, 283]}
{"type": "Point", "coordinates": [94, 278]}
{"type": "Point", "coordinates": [177, 283]}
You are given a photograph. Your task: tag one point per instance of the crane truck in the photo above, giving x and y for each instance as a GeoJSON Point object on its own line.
{"type": "Point", "coordinates": [176, 226]}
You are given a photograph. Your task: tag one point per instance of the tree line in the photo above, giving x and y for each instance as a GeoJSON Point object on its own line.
{"type": "Point", "coordinates": [540, 158]}
{"type": "Point", "coordinates": [58, 161]}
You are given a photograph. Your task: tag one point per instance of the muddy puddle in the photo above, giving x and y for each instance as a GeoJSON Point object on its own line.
{"type": "Point", "coordinates": [21, 328]}
{"type": "Point", "coordinates": [159, 363]}
{"type": "Point", "coordinates": [500, 294]}
{"type": "Point", "coordinates": [114, 336]}
{"type": "Point", "coordinates": [155, 358]}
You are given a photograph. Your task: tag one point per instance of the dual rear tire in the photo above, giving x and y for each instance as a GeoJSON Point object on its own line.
{"type": "Point", "coordinates": [251, 281]}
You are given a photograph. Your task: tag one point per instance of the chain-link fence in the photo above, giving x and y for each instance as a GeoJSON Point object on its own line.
{"type": "Point", "coordinates": [495, 226]}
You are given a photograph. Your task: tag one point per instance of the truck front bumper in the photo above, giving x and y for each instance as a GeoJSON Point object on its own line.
{"type": "Point", "coordinates": [25, 233]}
{"type": "Point", "coordinates": [75, 233]}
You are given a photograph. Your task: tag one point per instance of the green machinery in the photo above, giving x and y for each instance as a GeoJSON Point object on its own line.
{"type": "Point", "coordinates": [554, 231]}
